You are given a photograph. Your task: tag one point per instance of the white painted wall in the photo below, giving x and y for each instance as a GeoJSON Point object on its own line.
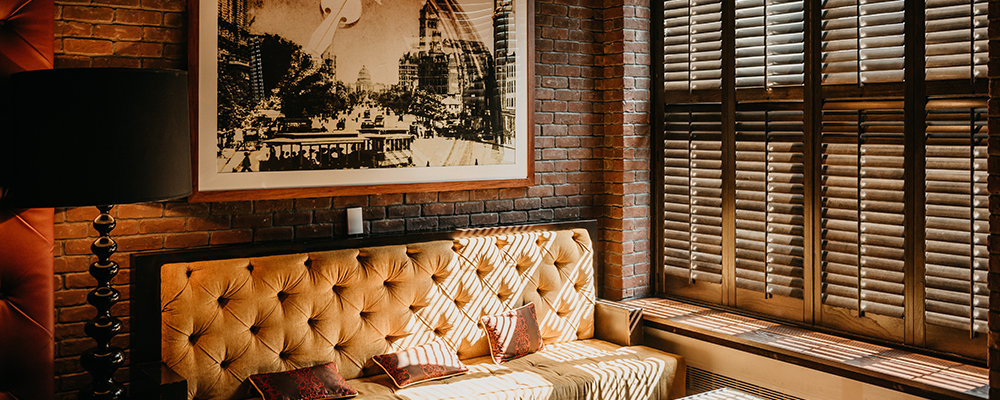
{"type": "Point", "coordinates": [766, 372]}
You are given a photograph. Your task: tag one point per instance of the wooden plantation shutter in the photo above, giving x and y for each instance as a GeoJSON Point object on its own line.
{"type": "Point", "coordinates": [956, 39]}
{"type": "Point", "coordinates": [769, 43]}
{"type": "Point", "coordinates": [862, 206]}
{"type": "Point", "coordinates": [770, 198]}
{"type": "Point", "coordinates": [693, 193]}
{"type": "Point", "coordinates": [957, 215]}
{"type": "Point", "coordinates": [825, 162]}
{"type": "Point", "coordinates": [692, 44]}
{"type": "Point", "coordinates": [862, 41]}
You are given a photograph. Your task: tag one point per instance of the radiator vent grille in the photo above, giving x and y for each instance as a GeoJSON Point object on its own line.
{"type": "Point", "coordinates": [700, 381]}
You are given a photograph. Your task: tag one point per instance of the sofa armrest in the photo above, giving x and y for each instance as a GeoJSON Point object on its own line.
{"type": "Point", "coordinates": [157, 381]}
{"type": "Point", "coordinates": [618, 323]}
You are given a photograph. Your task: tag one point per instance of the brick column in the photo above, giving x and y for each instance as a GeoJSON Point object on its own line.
{"type": "Point", "coordinates": [625, 149]}
{"type": "Point", "coordinates": [994, 189]}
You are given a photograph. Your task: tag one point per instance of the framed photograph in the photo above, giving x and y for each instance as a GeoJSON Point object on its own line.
{"type": "Point", "coordinates": [309, 98]}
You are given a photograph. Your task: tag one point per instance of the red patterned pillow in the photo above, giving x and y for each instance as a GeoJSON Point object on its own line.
{"type": "Point", "coordinates": [513, 334]}
{"type": "Point", "coordinates": [313, 383]}
{"type": "Point", "coordinates": [430, 361]}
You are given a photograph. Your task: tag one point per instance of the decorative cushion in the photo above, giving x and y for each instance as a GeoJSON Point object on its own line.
{"type": "Point", "coordinates": [430, 361]}
{"type": "Point", "coordinates": [513, 334]}
{"type": "Point", "coordinates": [313, 383]}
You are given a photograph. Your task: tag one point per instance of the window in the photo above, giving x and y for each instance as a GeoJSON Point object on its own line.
{"type": "Point", "coordinates": [824, 163]}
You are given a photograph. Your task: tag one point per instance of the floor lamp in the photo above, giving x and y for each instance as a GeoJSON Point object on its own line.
{"type": "Point", "coordinates": [97, 137]}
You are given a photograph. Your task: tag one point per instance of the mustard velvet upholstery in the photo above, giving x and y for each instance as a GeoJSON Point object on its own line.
{"type": "Point", "coordinates": [225, 320]}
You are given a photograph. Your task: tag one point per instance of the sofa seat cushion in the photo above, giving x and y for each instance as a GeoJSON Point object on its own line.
{"type": "Point", "coordinates": [585, 369]}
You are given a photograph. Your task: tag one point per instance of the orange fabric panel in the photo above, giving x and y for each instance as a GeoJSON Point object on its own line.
{"type": "Point", "coordinates": [27, 35]}
{"type": "Point", "coordinates": [27, 303]}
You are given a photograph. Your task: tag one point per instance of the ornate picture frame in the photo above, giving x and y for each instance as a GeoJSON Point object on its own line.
{"type": "Point", "coordinates": [311, 98]}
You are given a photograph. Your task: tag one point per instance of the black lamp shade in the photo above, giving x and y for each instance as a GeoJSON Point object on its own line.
{"type": "Point", "coordinates": [96, 136]}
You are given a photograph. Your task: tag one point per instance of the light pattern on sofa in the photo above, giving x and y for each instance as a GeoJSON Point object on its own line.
{"type": "Point", "coordinates": [225, 320]}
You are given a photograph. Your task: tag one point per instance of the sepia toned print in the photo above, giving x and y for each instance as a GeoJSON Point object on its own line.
{"type": "Point", "coordinates": [364, 84]}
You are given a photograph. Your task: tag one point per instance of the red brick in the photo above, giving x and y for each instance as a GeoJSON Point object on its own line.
{"type": "Point", "coordinates": [300, 218]}
{"type": "Point", "coordinates": [79, 280]}
{"type": "Point", "coordinates": [140, 243]}
{"type": "Point", "coordinates": [82, 213]}
{"type": "Point", "coordinates": [138, 17]}
{"type": "Point", "coordinates": [165, 35]}
{"type": "Point", "coordinates": [65, 298]}
{"type": "Point", "coordinates": [72, 264]}
{"type": "Point", "coordinates": [387, 199]}
{"type": "Point", "coordinates": [208, 223]}
{"type": "Point", "coordinates": [274, 234]}
{"type": "Point", "coordinates": [139, 49]}
{"type": "Point", "coordinates": [118, 32]}
{"type": "Point", "coordinates": [162, 225]}
{"type": "Point", "coordinates": [79, 246]}
{"type": "Point", "coordinates": [313, 203]}
{"type": "Point", "coordinates": [483, 194]}
{"type": "Point", "coordinates": [183, 240]}
{"type": "Point", "coordinates": [73, 29]}
{"type": "Point", "coordinates": [228, 237]}
{"type": "Point", "coordinates": [313, 231]}
{"type": "Point", "coordinates": [232, 207]}
{"type": "Point", "coordinates": [163, 63]}
{"type": "Point", "coordinates": [145, 210]}
{"type": "Point", "coordinates": [126, 3]}
{"type": "Point", "coordinates": [351, 201]}
{"type": "Point", "coordinates": [165, 5]}
{"type": "Point", "coordinates": [185, 209]}
{"type": "Point", "coordinates": [251, 221]}
{"type": "Point", "coordinates": [438, 209]}
{"type": "Point", "coordinates": [263, 206]}
{"type": "Point", "coordinates": [421, 198]}
{"type": "Point", "coordinates": [453, 196]}
{"type": "Point", "coordinates": [173, 20]}
{"type": "Point", "coordinates": [89, 14]}
{"type": "Point", "coordinates": [71, 230]}
{"type": "Point", "coordinates": [174, 51]}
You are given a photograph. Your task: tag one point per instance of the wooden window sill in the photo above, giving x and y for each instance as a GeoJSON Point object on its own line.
{"type": "Point", "coordinates": [908, 372]}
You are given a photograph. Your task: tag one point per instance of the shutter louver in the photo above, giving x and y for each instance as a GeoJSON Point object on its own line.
{"type": "Point", "coordinates": [862, 206]}
{"type": "Point", "coordinates": [692, 44]}
{"type": "Point", "coordinates": [770, 201]}
{"type": "Point", "coordinates": [769, 43]}
{"type": "Point", "coordinates": [862, 41]}
{"type": "Point", "coordinates": [693, 192]}
{"type": "Point", "coordinates": [956, 39]}
{"type": "Point", "coordinates": [957, 215]}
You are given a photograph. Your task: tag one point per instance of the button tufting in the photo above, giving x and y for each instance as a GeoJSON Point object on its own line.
{"type": "Point", "coordinates": [223, 301]}
{"type": "Point", "coordinates": [255, 329]}
{"type": "Point", "coordinates": [194, 338]}
{"type": "Point", "coordinates": [312, 322]}
{"type": "Point", "coordinates": [225, 364]}
{"type": "Point", "coordinates": [188, 273]}
{"type": "Point", "coordinates": [283, 355]}
{"type": "Point", "coordinates": [250, 267]}
{"type": "Point", "coordinates": [282, 296]}
{"type": "Point", "coordinates": [309, 263]}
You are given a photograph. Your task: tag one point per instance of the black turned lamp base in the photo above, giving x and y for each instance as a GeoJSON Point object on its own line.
{"type": "Point", "coordinates": [102, 361]}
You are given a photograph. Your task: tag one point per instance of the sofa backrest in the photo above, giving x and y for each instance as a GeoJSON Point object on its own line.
{"type": "Point", "coordinates": [225, 320]}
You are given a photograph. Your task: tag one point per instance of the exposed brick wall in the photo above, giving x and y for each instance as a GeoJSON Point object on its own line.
{"type": "Point", "coordinates": [625, 151]}
{"type": "Point", "coordinates": [994, 189]}
{"type": "Point", "coordinates": [591, 159]}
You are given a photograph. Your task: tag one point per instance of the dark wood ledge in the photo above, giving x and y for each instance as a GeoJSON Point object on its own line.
{"type": "Point", "coordinates": [900, 370]}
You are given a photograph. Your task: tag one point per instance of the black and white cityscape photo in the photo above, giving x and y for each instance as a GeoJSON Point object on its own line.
{"type": "Point", "coordinates": [352, 84]}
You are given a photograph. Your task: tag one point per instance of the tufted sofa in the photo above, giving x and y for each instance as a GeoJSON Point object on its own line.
{"type": "Point", "coordinates": [223, 320]}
